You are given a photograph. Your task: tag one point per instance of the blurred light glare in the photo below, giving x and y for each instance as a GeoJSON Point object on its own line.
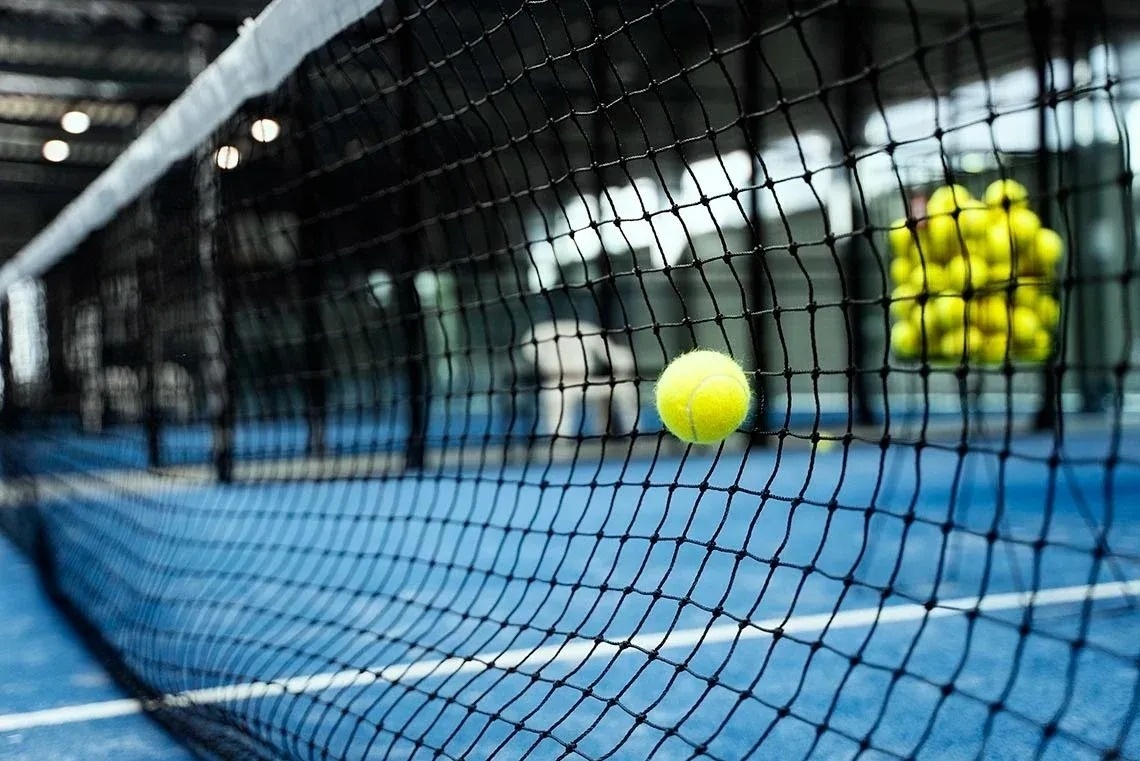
{"type": "Point", "coordinates": [75, 122]}
{"type": "Point", "coordinates": [56, 151]}
{"type": "Point", "coordinates": [265, 130]}
{"type": "Point", "coordinates": [227, 157]}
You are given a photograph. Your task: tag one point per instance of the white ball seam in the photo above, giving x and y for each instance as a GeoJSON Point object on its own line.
{"type": "Point", "coordinates": [706, 379]}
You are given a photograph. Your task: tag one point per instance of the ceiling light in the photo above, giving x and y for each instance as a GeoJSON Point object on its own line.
{"type": "Point", "coordinates": [265, 130]}
{"type": "Point", "coordinates": [56, 151]}
{"type": "Point", "coordinates": [75, 122]}
{"type": "Point", "coordinates": [227, 157]}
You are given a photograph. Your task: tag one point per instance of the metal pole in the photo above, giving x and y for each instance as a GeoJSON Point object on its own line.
{"type": "Point", "coordinates": [759, 277]}
{"type": "Point", "coordinates": [854, 281]}
{"type": "Point", "coordinates": [8, 400]}
{"type": "Point", "coordinates": [308, 276]}
{"type": "Point", "coordinates": [148, 271]}
{"type": "Point", "coordinates": [217, 325]}
{"type": "Point", "coordinates": [416, 370]}
{"type": "Point", "coordinates": [600, 148]}
{"type": "Point", "coordinates": [1040, 25]}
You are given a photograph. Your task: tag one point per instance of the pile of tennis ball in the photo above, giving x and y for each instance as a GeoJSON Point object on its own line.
{"type": "Point", "coordinates": [974, 279]}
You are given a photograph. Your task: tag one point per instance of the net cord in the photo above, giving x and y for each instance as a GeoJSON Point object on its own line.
{"type": "Point", "coordinates": [266, 51]}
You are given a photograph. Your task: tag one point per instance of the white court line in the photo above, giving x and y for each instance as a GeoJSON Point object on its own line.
{"type": "Point", "coordinates": [571, 652]}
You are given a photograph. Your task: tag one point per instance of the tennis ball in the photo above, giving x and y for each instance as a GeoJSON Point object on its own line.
{"type": "Point", "coordinates": [703, 396]}
{"type": "Point", "coordinates": [944, 238]}
{"type": "Point", "coordinates": [1024, 326]}
{"type": "Point", "coordinates": [1048, 247]}
{"type": "Point", "coordinates": [991, 314]}
{"type": "Point", "coordinates": [963, 270]}
{"type": "Point", "coordinates": [903, 300]}
{"type": "Point", "coordinates": [1013, 233]}
{"type": "Point", "coordinates": [906, 340]}
{"type": "Point", "coordinates": [1041, 349]}
{"type": "Point", "coordinates": [1026, 295]}
{"type": "Point", "coordinates": [999, 273]}
{"type": "Point", "coordinates": [900, 270]}
{"type": "Point", "coordinates": [925, 318]}
{"type": "Point", "coordinates": [1048, 311]}
{"type": "Point", "coordinates": [930, 279]}
{"type": "Point", "coordinates": [974, 220]}
{"type": "Point", "coordinates": [1001, 193]}
{"type": "Point", "coordinates": [900, 237]}
{"type": "Point", "coordinates": [947, 199]}
{"type": "Point", "coordinates": [950, 312]}
{"type": "Point", "coordinates": [994, 348]}
{"type": "Point", "coordinates": [958, 342]}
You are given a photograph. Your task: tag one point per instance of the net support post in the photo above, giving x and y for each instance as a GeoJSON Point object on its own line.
{"type": "Point", "coordinates": [411, 314]}
{"type": "Point", "coordinates": [759, 276]}
{"type": "Point", "coordinates": [853, 18]}
{"type": "Point", "coordinates": [308, 278]}
{"type": "Point", "coordinates": [148, 271]}
{"type": "Point", "coordinates": [217, 318]}
{"type": "Point", "coordinates": [9, 448]}
{"type": "Point", "coordinates": [8, 398]}
{"type": "Point", "coordinates": [1039, 18]}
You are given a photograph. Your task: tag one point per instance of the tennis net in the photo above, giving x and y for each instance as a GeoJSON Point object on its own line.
{"type": "Point", "coordinates": [328, 408]}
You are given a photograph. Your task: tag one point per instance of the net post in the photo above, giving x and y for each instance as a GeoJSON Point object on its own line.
{"type": "Point", "coordinates": [416, 371]}
{"type": "Point", "coordinates": [217, 317]}
{"type": "Point", "coordinates": [600, 148]}
{"type": "Point", "coordinates": [148, 271]}
{"type": "Point", "coordinates": [57, 299]}
{"type": "Point", "coordinates": [309, 282]}
{"type": "Point", "coordinates": [852, 17]}
{"type": "Point", "coordinates": [759, 277]}
{"type": "Point", "coordinates": [1039, 18]}
{"type": "Point", "coordinates": [8, 397]}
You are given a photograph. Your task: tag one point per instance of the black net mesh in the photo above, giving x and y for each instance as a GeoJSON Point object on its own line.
{"type": "Point", "coordinates": [342, 442]}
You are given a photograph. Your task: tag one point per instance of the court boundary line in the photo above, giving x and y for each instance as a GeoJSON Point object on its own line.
{"type": "Point", "coordinates": [575, 651]}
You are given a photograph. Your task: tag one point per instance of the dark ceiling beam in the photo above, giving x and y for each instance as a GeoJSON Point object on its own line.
{"type": "Point", "coordinates": [51, 129]}
{"type": "Point", "coordinates": [137, 13]}
{"type": "Point", "coordinates": [94, 89]}
{"type": "Point", "coordinates": [97, 73]}
{"type": "Point", "coordinates": [64, 179]}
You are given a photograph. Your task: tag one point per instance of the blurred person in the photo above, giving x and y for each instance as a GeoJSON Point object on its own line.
{"type": "Point", "coordinates": [580, 370]}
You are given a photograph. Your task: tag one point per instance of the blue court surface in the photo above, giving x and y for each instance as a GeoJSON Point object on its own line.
{"type": "Point", "coordinates": [44, 667]}
{"type": "Point", "coordinates": [862, 602]}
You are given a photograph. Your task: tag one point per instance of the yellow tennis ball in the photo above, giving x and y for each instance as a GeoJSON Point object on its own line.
{"type": "Point", "coordinates": [903, 300]}
{"type": "Point", "coordinates": [1048, 311]}
{"type": "Point", "coordinates": [999, 273]}
{"type": "Point", "coordinates": [900, 270]}
{"type": "Point", "coordinates": [944, 237]}
{"type": "Point", "coordinates": [947, 199]}
{"type": "Point", "coordinates": [1048, 247]}
{"type": "Point", "coordinates": [963, 270]}
{"type": "Point", "coordinates": [1024, 326]}
{"type": "Point", "coordinates": [900, 237]}
{"type": "Point", "coordinates": [1042, 347]}
{"type": "Point", "coordinates": [1027, 294]}
{"type": "Point", "coordinates": [1003, 192]}
{"type": "Point", "coordinates": [974, 220]}
{"type": "Point", "coordinates": [906, 339]}
{"type": "Point", "coordinates": [961, 342]}
{"type": "Point", "coordinates": [928, 279]}
{"type": "Point", "coordinates": [703, 396]}
{"type": "Point", "coordinates": [994, 348]}
{"type": "Point", "coordinates": [990, 313]}
{"type": "Point", "coordinates": [950, 312]}
{"type": "Point", "coordinates": [925, 318]}
{"type": "Point", "coordinates": [1013, 233]}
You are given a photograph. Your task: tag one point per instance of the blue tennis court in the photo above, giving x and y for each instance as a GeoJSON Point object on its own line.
{"type": "Point", "coordinates": [763, 604]}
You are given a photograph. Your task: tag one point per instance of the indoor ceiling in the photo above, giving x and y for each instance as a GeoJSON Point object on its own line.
{"type": "Point", "coordinates": [112, 60]}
